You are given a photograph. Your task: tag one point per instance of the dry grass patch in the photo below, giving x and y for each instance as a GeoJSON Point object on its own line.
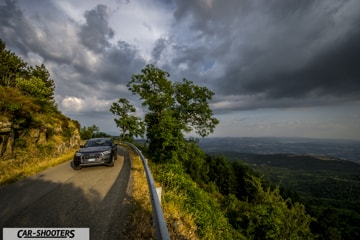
{"type": "Point", "coordinates": [141, 222]}
{"type": "Point", "coordinates": [181, 226]}
{"type": "Point", "coordinates": [13, 170]}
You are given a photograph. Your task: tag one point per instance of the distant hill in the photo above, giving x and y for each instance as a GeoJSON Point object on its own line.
{"type": "Point", "coordinates": [305, 174]}
{"type": "Point", "coordinates": [309, 163]}
{"type": "Point", "coordinates": [328, 148]}
{"type": "Point", "coordinates": [323, 174]}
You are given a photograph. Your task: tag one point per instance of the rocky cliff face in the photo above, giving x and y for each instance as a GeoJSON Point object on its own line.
{"type": "Point", "coordinates": [6, 139]}
{"type": "Point", "coordinates": [13, 139]}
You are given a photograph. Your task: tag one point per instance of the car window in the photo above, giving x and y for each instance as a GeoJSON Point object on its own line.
{"type": "Point", "coordinates": [90, 144]}
{"type": "Point", "coordinates": [98, 142]}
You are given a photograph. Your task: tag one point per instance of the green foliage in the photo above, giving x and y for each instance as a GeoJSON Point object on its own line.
{"type": "Point", "coordinates": [330, 189]}
{"type": "Point", "coordinates": [11, 67]}
{"type": "Point", "coordinates": [228, 200]}
{"type": "Point", "coordinates": [192, 108]}
{"type": "Point", "coordinates": [32, 81]}
{"type": "Point", "coordinates": [194, 160]}
{"type": "Point", "coordinates": [221, 172]}
{"type": "Point", "coordinates": [45, 149]}
{"type": "Point", "coordinates": [91, 132]}
{"type": "Point", "coordinates": [166, 139]}
{"type": "Point", "coordinates": [269, 216]}
{"type": "Point", "coordinates": [243, 189]}
{"type": "Point", "coordinates": [47, 85]}
{"type": "Point", "coordinates": [19, 109]}
{"type": "Point", "coordinates": [100, 135]}
{"type": "Point", "coordinates": [174, 108]}
{"type": "Point", "coordinates": [182, 191]}
{"type": "Point", "coordinates": [336, 222]}
{"type": "Point", "coordinates": [254, 208]}
{"type": "Point", "coordinates": [34, 87]}
{"type": "Point", "coordinates": [31, 89]}
{"type": "Point", "coordinates": [88, 132]}
{"type": "Point", "coordinates": [131, 126]}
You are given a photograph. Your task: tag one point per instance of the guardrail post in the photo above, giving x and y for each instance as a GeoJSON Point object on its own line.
{"type": "Point", "coordinates": [158, 191]}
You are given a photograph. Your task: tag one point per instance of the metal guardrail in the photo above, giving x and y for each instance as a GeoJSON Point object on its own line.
{"type": "Point", "coordinates": [162, 232]}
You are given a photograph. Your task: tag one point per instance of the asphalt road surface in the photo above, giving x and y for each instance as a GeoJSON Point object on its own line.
{"type": "Point", "coordinates": [93, 197]}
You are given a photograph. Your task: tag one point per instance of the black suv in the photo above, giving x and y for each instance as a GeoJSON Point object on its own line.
{"type": "Point", "coordinates": [96, 151]}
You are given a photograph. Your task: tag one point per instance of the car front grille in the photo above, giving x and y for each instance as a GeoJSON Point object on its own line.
{"type": "Point", "coordinates": [91, 156]}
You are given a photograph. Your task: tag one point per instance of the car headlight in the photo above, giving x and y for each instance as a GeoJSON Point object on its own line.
{"type": "Point", "coordinates": [106, 152]}
{"type": "Point", "coordinates": [78, 154]}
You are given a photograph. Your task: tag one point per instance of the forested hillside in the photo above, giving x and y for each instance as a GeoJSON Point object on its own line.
{"type": "Point", "coordinates": [31, 126]}
{"type": "Point", "coordinates": [329, 187]}
{"type": "Point", "coordinates": [219, 199]}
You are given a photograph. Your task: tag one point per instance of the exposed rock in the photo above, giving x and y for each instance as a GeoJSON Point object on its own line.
{"type": "Point", "coordinates": [6, 139]}
{"type": "Point", "coordinates": [9, 134]}
{"type": "Point", "coordinates": [38, 135]}
{"type": "Point", "coordinates": [73, 143]}
{"type": "Point", "coordinates": [5, 127]}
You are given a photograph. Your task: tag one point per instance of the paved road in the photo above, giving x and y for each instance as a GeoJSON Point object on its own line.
{"type": "Point", "coordinates": [94, 197]}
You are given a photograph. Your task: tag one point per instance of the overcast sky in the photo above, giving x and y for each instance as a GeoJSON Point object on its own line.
{"type": "Point", "coordinates": [277, 67]}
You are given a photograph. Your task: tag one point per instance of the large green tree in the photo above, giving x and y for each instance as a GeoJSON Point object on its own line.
{"type": "Point", "coordinates": [131, 126]}
{"type": "Point", "coordinates": [11, 67]}
{"type": "Point", "coordinates": [174, 108]}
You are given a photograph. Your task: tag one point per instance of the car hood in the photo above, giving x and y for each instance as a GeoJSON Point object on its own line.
{"type": "Point", "coordinates": [94, 149]}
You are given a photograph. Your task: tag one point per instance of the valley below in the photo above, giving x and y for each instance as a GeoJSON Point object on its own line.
{"type": "Point", "coordinates": [326, 148]}
{"type": "Point", "coordinates": [322, 174]}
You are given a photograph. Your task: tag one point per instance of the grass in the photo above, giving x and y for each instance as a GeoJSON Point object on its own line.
{"type": "Point", "coordinates": [140, 226]}
{"type": "Point", "coordinates": [13, 170]}
{"type": "Point", "coordinates": [180, 224]}
{"type": "Point", "coordinates": [190, 212]}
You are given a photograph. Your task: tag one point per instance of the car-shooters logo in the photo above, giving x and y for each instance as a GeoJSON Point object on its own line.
{"type": "Point", "coordinates": [46, 233]}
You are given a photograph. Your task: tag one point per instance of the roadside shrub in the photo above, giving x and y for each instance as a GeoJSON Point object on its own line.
{"type": "Point", "coordinates": [181, 190]}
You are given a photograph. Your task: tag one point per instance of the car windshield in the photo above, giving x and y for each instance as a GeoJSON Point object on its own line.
{"type": "Point", "coordinates": [98, 142]}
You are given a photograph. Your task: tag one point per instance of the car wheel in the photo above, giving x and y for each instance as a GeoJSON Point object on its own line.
{"type": "Point", "coordinates": [76, 166]}
{"type": "Point", "coordinates": [111, 164]}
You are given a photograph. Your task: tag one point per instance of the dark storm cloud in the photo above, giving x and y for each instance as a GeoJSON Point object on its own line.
{"type": "Point", "coordinates": [120, 63]}
{"type": "Point", "coordinates": [96, 32]}
{"type": "Point", "coordinates": [14, 28]}
{"type": "Point", "coordinates": [37, 33]}
{"type": "Point", "coordinates": [335, 72]}
{"type": "Point", "coordinates": [278, 49]}
{"type": "Point", "coordinates": [76, 71]}
{"type": "Point", "coordinates": [266, 53]}
{"type": "Point", "coordinates": [160, 46]}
